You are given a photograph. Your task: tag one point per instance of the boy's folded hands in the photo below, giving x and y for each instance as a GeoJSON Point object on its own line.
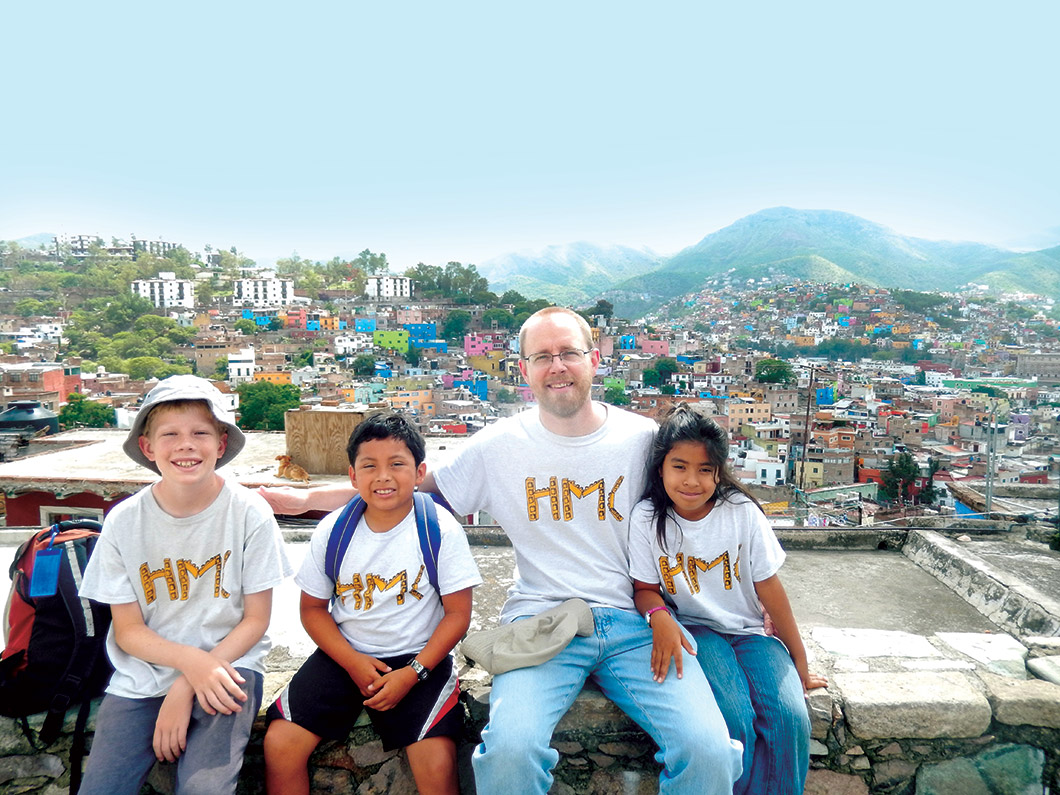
{"type": "Point", "coordinates": [390, 688]}
{"type": "Point", "coordinates": [365, 671]}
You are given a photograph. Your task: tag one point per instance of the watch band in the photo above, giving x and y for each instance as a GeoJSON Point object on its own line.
{"type": "Point", "coordinates": [647, 613]}
{"type": "Point", "coordinates": [421, 672]}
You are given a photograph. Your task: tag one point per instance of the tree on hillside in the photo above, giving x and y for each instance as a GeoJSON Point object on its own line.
{"type": "Point", "coordinates": [616, 396]}
{"type": "Point", "coordinates": [370, 263]}
{"type": "Point", "coordinates": [456, 325]}
{"type": "Point", "coordinates": [111, 314]}
{"type": "Point", "coordinates": [666, 367]}
{"type": "Point", "coordinates": [774, 371]}
{"type": "Point", "coordinates": [513, 297]}
{"type": "Point", "coordinates": [502, 317]}
{"type": "Point", "coordinates": [505, 395]}
{"type": "Point", "coordinates": [427, 279]}
{"type": "Point", "coordinates": [364, 366]}
{"type": "Point", "coordinates": [990, 391]}
{"type": "Point", "coordinates": [463, 283]}
{"type": "Point", "coordinates": [143, 368]}
{"type": "Point", "coordinates": [602, 307]}
{"type": "Point", "coordinates": [79, 412]}
{"type": "Point", "coordinates": [262, 405]}
{"type": "Point", "coordinates": [246, 326]}
{"type": "Point", "coordinates": [901, 473]}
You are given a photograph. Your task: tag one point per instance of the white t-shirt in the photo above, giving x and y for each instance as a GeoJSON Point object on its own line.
{"type": "Point", "coordinates": [709, 568]}
{"type": "Point", "coordinates": [189, 575]}
{"type": "Point", "coordinates": [563, 501]}
{"type": "Point", "coordinates": [388, 606]}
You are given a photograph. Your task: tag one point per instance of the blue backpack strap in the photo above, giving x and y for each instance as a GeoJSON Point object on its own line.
{"type": "Point", "coordinates": [341, 535]}
{"type": "Point", "coordinates": [430, 534]}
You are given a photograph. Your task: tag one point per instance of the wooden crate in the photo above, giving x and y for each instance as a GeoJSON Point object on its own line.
{"type": "Point", "coordinates": [316, 438]}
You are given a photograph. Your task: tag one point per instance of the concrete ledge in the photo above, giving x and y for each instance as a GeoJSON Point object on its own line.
{"type": "Point", "coordinates": [1000, 596]}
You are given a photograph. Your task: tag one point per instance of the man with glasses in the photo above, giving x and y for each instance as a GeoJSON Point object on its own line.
{"type": "Point", "coordinates": [561, 479]}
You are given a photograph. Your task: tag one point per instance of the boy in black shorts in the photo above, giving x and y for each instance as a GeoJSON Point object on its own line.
{"type": "Point", "coordinates": [385, 641]}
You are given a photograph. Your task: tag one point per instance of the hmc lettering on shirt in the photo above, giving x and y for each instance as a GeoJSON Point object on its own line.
{"type": "Point", "coordinates": [690, 567]}
{"type": "Point", "coordinates": [363, 595]}
{"type": "Point", "coordinates": [569, 492]}
{"type": "Point", "coordinates": [178, 585]}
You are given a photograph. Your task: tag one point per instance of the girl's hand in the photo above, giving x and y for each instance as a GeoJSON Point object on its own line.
{"type": "Point", "coordinates": [667, 642]}
{"type": "Point", "coordinates": [812, 680]}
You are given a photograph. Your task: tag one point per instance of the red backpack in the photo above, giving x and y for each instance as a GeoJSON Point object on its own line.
{"type": "Point", "coordinates": [55, 655]}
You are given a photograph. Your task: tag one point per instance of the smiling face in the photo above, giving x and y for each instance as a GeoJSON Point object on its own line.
{"type": "Point", "coordinates": [386, 475]}
{"type": "Point", "coordinates": [562, 389]}
{"type": "Point", "coordinates": [184, 441]}
{"type": "Point", "coordinates": [690, 480]}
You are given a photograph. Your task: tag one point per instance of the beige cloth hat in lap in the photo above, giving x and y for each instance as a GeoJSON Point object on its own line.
{"type": "Point", "coordinates": [529, 641]}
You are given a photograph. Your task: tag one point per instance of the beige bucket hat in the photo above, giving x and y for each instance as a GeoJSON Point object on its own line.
{"type": "Point", "coordinates": [184, 387]}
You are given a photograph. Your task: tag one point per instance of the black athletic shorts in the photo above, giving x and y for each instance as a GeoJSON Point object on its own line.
{"type": "Point", "coordinates": [322, 698]}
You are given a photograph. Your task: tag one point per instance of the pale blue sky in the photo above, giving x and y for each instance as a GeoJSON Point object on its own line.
{"type": "Point", "coordinates": [461, 131]}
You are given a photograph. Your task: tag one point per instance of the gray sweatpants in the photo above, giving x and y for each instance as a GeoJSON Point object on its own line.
{"type": "Point", "coordinates": [122, 755]}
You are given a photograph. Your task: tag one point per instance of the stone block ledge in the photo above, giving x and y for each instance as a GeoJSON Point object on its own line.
{"type": "Point", "coordinates": [883, 726]}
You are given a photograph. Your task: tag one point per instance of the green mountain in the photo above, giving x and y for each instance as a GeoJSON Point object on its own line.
{"type": "Point", "coordinates": [35, 242]}
{"type": "Point", "coordinates": [823, 245]}
{"type": "Point", "coordinates": [571, 275]}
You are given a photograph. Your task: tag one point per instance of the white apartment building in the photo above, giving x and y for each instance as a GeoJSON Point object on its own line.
{"type": "Point", "coordinates": [759, 468]}
{"type": "Point", "coordinates": [241, 366]}
{"type": "Point", "coordinates": [264, 290]}
{"type": "Point", "coordinates": [386, 287]}
{"type": "Point", "coordinates": [352, 343]}
{"type": "Point", "coordinates": [166, 290]}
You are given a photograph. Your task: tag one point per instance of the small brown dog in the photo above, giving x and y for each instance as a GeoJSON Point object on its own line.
{"type": "Point", "coordinates": [291, 471]}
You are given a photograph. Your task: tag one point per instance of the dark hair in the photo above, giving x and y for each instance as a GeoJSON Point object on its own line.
{"type": "Point", "coordinates": [386, 425]}
{"type": "Point", "coordinates": [686, 423]}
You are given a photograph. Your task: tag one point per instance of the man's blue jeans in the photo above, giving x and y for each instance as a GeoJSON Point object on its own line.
{"type": "Point", "coordinates": [681, 715]}
{"type": "Point", "coordinates": [761, 696]}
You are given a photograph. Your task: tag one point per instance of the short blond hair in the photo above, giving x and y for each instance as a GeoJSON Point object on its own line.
{"type": "Point", "coordinates": [583, 324]}
{"type": "Point", "coordinates": [171, 405]}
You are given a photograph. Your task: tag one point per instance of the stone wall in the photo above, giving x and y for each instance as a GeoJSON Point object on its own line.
{"type": "Point", "coordinates": [949, 713]}
{"type": "Point", "coordinates": [883, 726]}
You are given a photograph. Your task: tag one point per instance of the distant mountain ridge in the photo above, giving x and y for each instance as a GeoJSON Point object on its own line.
{"type": "Point", "coordinates": [568, 274]}
{"type": "Point", "coordinates": [781, 243]}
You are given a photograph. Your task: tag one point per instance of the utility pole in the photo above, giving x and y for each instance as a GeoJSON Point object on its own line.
{"type": "Point", "coordinates": [806, 431]}
{"type": "Point", "coordinates": [990, 461]}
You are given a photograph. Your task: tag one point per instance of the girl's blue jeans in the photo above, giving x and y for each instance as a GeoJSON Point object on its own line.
{"type": "Point", "coordinates": [761, 696]}
{"type": "Point", "coordinates": [681, 715]}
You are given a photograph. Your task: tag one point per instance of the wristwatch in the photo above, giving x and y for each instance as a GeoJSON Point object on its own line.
{"type": "Point", "coordinates": [421, 672]}
{"type": "Point", "coordinates": [647, 613]}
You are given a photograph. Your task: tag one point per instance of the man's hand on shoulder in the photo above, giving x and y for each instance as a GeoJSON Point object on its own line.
{"type": "Point", "coordinates": [285, 499]}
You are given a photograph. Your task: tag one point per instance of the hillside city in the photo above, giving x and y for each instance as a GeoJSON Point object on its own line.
{"type": "Point", "coordinates": [845, 404]}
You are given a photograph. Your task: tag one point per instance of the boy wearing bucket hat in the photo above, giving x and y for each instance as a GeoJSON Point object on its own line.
{"type": "Point", "coordinates": [188, 565]}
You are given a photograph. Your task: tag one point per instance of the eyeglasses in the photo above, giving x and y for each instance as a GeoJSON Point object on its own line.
{"type": "Point", "coordinates": [545, 359]}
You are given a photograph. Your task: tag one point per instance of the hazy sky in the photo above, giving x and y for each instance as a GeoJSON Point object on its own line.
{"type": "Point", "coordinates": [461, 131]}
